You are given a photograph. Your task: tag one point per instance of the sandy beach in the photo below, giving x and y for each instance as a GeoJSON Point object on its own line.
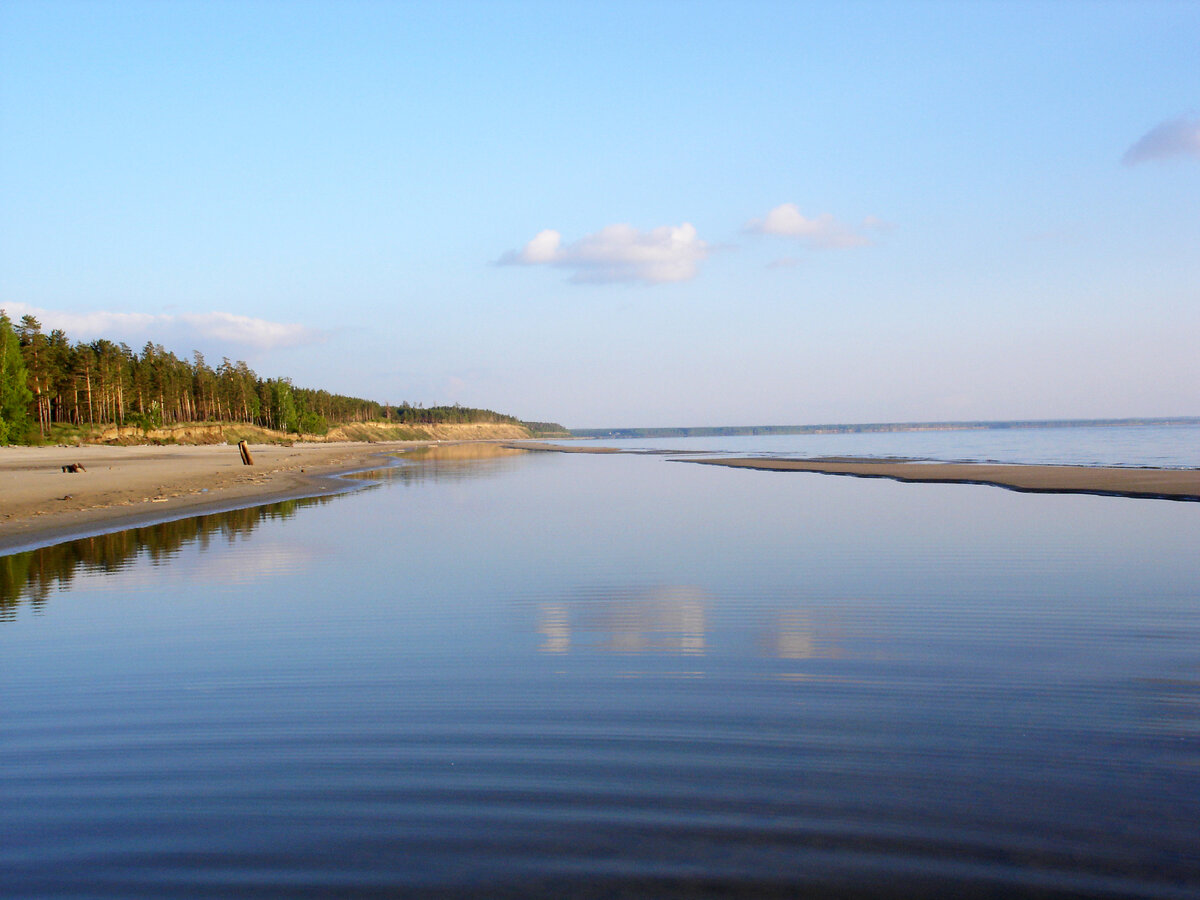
{"type": "Point", "coordinates": [122, 487]}
{"type": "Point", "coordinates": [1166, 484]}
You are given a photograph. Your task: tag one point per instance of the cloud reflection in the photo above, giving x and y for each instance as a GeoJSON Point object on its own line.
{"type": "Point", "coordinates": [793, 635]}
{"type": "Point", "coordinates": [664, 620]}
{"type": "Point", "coordinates": [679, 620]}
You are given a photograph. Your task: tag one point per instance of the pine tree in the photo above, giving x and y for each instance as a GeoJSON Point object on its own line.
{"type": "Point", "coordinates": [15, 395]}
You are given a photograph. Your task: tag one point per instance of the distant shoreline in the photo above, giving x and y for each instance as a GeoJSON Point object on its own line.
{"type": "Point", "coordinates": [870, 427]}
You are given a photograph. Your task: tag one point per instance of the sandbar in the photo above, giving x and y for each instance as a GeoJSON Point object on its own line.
{"type": "Point", "coordinates": [125, 487]}
{"type": "Point", "coordinates": [1163, 484]}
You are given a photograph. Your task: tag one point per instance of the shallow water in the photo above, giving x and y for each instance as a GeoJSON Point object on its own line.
{"type": "Point", "coordinates": [567, 675]}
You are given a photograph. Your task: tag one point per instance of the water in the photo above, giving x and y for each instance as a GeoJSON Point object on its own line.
{"type": "Point", "coordinates": [561, 675]}
{"type": "Point", "coordinates": [1159, 446]}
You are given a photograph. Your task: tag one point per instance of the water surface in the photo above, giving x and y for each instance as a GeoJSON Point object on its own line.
{"type": "Point", "coordinates": [1160, 446]}
{"type": "Point", "coordinates": [567, 675]}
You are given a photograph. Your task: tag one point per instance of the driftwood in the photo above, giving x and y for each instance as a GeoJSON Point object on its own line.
{"type": "Point", "coordinates": [247, 459]}
{"type": "Point", "coordinates": [73, 467]}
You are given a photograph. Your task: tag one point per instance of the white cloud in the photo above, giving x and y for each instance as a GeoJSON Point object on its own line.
{"type": "Point", "coordinates": [545, 247]}
{"type": "Point", "coordinates": [824, 231]}
{"type": "Point", "coordinates": [1173, 138]}
{"type": "Point", "coordinates": [259, 333]}
{"type": "Point", "coordinates": [618, 253]}
{"type": "Point", "coordinates": [164, 328]}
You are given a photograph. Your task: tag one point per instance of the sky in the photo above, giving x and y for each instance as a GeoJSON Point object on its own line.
{"type": "Point", "coordinates": [623, 214]}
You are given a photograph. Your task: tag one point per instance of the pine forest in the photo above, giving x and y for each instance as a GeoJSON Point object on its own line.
{"type": "Point", "coordinates": [48, 383]}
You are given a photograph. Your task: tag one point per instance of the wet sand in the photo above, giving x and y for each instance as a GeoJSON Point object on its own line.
{"type": "Point", "coordinates": [1166, 484]}
{"type": "Point", "coordinates": [123, 487]}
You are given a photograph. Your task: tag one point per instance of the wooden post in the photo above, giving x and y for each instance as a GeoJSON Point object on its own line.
{"type": "Point", "coordinates": [247, 459]}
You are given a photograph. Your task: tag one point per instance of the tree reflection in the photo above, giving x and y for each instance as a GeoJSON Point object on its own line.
{"type": "Point", "coordinates": [442, 462]}
{"type": "Point", "coordinates": [30, 577]}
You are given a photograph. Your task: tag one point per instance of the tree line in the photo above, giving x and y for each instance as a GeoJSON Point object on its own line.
{"type": "Point", "coordinates": [48, 381]}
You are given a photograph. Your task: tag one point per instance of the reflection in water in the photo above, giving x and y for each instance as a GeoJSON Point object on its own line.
{"type": "Point", "coordinates": [904, 692]}
{"type": "Point", "coordinates": [674, 620]}
{"type": "Point", "coordinates": [555, 628]}
{"type": "Point", "coordinates": [793, 635]}
{"type": "Point", "coordinates": [463, 452]}
{"type": "Point", "coordinates": [32, 575]}
{"type": "Point", "coordinates": [445, 462]}
{"type": "Point", "coordinates": [667, 620]}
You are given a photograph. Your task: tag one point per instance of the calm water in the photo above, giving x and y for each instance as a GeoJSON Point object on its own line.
{"type": "Point", "coordinates": [1161, 446]}
{"type": "Point", "coordinates": [561, 675]}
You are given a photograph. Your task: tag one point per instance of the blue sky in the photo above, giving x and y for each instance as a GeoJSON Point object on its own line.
{"type": "Point", "coordinates": [623, 214]}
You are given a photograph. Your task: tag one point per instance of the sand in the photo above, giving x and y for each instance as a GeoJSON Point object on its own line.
{"type": "Point", "coordinates": [122, 487]}
{"type": "Point", "coordinates": [1165, 484]}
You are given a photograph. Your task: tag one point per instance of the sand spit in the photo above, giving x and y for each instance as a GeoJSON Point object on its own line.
{"type": "Point", "coordinates": [1164, 484]}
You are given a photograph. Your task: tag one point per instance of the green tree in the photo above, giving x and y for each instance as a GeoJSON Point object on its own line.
{"type": "Point", "coordinates": [312, 423]}
{"type": "Point", "coordinates": [33, 347]}
{"type": "Point", "coordinates": [15, 395]}
{"type": "Point", "coordinates": [284, 415]}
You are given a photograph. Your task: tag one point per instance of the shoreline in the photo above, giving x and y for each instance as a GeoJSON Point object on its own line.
{"type": "Point", "coordinates": [131, 486]}
{"type": "Point", "coordinates": [1110, 481]}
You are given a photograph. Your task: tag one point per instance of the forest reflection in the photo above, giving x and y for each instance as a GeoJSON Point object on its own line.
{"type": "Point", "coordinates": [30, 577]}
{"type": "Point", "coordinates": [445, 462]}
